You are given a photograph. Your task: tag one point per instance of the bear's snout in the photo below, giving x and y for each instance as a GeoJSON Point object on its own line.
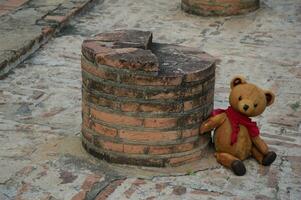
{"type": "Point", "coordinates": [246, 107]}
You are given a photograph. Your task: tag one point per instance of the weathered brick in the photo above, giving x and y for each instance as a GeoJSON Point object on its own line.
{"type": "Point", "coordinates": [46, 31]}
{"type": "Point", "coordinates": [196, 102]}
{"type": "Point", "coordinates": [130, 107]}
{"type": "Point", "coordinates": [13, 3]}
{"type": "Point", "coordinates": [149, 107]}
{"type": "Point", "coordinates": [135, 79]}
{"type": "Point", "coordinates": [107, 145]}
{"type": "Point", "coordinates": [202, 74]}
{"type": "Point", "coordinates": [163, 95]}
{"type": "Point", "coordinates": [87, 136]}
{"type": "Point", "coordinates": [193, 118]}
{"type": "Point", "coordinates": [79, 196]}
{"type": "Point", "coordinates": [134, 149]}
{"type": "Point", "coordinates": [101, 129]}
{"type": "Point", "coordinates": [183, 147]}
{"type": "Point", "coordinates": [190, 132]}
{"type": "Point", "coordinates": [185, 159]}
{"type": "Point", "coordinates": [197, 89]}
{"type": "Point", "coordinates": [148, 136]}
{"type": "Point", "coordinates": [139, 182]}
{"type": "Point", "coordinates": [90, 49]}
{"type": "Point", "coordinates": [97, 71]}
{"type": "Point", "coordinates": [112, 90]}
{"type": "Point", "coordinates": [168, 149]}
{"type": "Point", "coordinates": [115, 118]}
{"type": "Point", "coordinates": [125, 38]}
{"type": "Point", "coordinates": [85, 108]}
{"type": "Point", "coordinates": [90, 181]}
{"type": "Point", "coordinates": [130, 92]}
{"type": "Point", "coordinates": [160, 122]}
{"type": "Point", "coordinates": [188, 105]}
{"type": "Point", "coordinates": [128, 58]}
{"type": "Point", "coordinates": [107, 191]}
{"type": "Point", "coordinates": [89, 97]}
{"type": "Point", "coordinates": [56, 18]}
{"type": "Point", "coordinates": [160, 150]}
{"type": "Point", "coordinates": [87, 186]}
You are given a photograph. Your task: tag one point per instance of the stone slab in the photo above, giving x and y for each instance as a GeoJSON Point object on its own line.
{"type": "Point", "coordinates": [29, 24]}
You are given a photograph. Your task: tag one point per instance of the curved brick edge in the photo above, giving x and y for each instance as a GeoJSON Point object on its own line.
{"type": "Point", "coordinates": [92, 84]}
{"type": "Point", "coordinates": [146, 107]}
{"type": "Point", "coordinates": [189, 119]}
{"type": "Point", "coordinates": [219, 7]}
{"type": "Point", "coordinates": [181, 115]}
{"type": "Point", "coordinates": [108, 75]}
{"type": "Point", "coordinates": [166, 160]}
{"type": "Point", "coordinates": [105, 73]}
{"type": "Point", "coordinates": [109, 135]}
{"type": "Point", "coordinates": [141, 148]}
{"type": "Point", "coordinates": [51, 23]}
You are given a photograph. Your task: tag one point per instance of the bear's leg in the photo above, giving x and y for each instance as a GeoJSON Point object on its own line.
{"type": "Point", "coordinates": [257, 154]}
{"type": "Point", "coordinates": [268, 156]}
{"type": "Point", "coordinates": [231, 162]}
{"type": "Point", "coordinates": [260, 145]}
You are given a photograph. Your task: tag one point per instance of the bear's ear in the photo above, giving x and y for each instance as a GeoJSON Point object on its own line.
{"type": "Point", "coordinates": [270, 97]}
{"type": "Point", "coordinates": [236, 80]}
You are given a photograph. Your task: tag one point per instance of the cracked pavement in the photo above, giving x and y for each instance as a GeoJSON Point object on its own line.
{"type": "Point", "coordinates": [40, 107]}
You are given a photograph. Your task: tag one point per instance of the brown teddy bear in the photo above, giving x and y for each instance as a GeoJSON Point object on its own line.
{"type": "Point", "coordinates": [236, 137]}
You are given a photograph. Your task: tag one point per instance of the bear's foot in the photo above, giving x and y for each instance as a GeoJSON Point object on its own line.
{"type": "Point", "coordinates": [238, 168]}
{"type": "Point", "coordinates": [269, 158]}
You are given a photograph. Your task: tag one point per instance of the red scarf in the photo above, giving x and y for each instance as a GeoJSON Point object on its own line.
{"type": "Point", "coordinates": [236, 119]}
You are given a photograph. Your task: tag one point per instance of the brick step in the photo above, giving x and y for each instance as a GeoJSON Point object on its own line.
{"type": "Point", "coordinates": [149, 110]}
{"type": "Point", "coordinates": [137, 137]}
{"type": "Point", "coordinates": [164, 77]}
{"type": "Point", "coordinates": [142, 105]}
{"type": "Point", "coordinates": [141, 135]}
{"type": "Point", "coordinates": [150, 121]}
{"type": "Point", "coordinates": [164, 160]}
{"type": "Point", "coordinates": [122, 90]}
{"type": "Point", "coordinates": [149, 145]}
{"type": "Point", "coordinates": [100, 123]}
{"type": "Point", "coordinates": [106, 73]}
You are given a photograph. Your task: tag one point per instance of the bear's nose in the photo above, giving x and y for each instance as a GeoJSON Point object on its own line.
{"type": "Point", "coordinates": [246, 107]}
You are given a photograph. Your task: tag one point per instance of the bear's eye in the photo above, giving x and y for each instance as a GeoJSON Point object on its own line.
{"type": "Point", "coordinates": [239, 98]}
{"type": "Point", "coordinates": [255, 105]}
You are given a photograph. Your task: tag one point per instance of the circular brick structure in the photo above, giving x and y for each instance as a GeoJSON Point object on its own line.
{"type": "Point", "coordinates": [143, 102]}
{"type": "Point", "coordinates": [219, 7]}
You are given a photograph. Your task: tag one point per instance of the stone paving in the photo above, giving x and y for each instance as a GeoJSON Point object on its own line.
{"type": "Point", "coordinates": [40, 108]}
{"type": "Point", "coordinates": [27, 24]}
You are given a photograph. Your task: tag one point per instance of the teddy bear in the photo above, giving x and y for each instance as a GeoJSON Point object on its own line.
{"type": "Point", "coordinates": [236, 136]}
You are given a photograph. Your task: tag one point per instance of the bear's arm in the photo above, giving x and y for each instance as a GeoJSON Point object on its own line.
{"type": "Point", "coordinates": [213, 122]}
{"type": "Point", "coordinates": [260, 144]}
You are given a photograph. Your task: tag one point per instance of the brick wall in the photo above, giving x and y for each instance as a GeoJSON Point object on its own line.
{"type": "Point", "coordinates": [219, 7]}
{"type": "Point", "coordinates": [143, 102]}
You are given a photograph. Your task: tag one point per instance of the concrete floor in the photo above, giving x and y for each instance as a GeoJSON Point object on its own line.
{"type": "Point", "coordinates": [40, 107]}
